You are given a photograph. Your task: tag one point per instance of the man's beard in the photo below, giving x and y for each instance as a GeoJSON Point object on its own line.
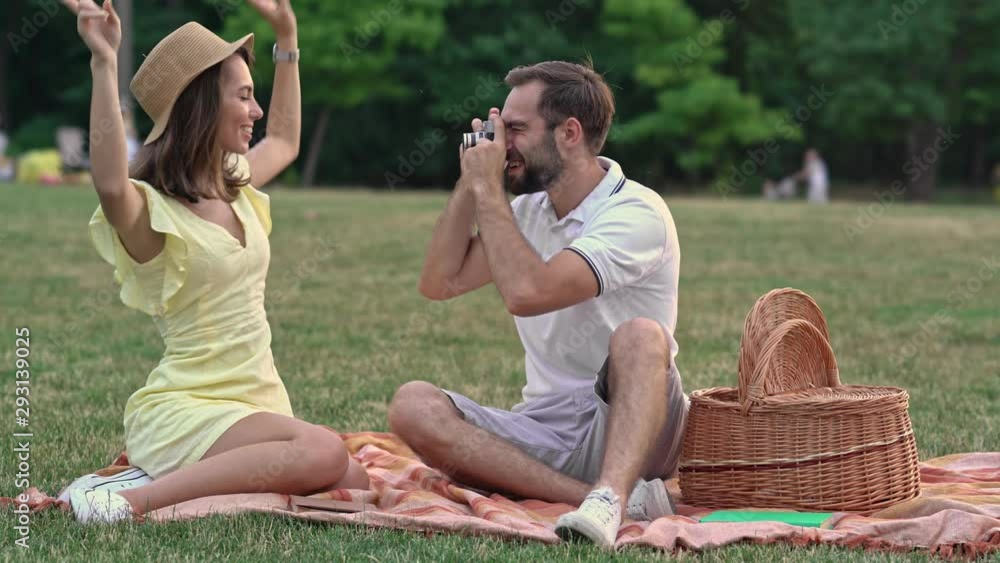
{"type": "Point", "coordinates": [539, 173]}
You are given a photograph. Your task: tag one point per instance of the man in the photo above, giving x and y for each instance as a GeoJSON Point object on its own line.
{"type": "Point", "coordinates": [587, 262]}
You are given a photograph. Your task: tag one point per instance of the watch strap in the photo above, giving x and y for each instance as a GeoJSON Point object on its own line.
{"type": "Point", "coordinates": [284, 56]}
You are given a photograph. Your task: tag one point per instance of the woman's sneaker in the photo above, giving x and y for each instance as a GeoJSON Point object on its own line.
{"type": "Point", "coordinates": [101, 506]}
{"type": "Point", "coordinates": [128, 479]}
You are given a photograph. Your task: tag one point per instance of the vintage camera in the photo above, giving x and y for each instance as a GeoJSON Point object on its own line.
{"type": "Point", "coordinates": [469, 139]}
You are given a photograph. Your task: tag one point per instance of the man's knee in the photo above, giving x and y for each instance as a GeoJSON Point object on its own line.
{"type": "Point", "coordinates": [639, 334]}
{"type": "Point", "coordinates": [419, 411]}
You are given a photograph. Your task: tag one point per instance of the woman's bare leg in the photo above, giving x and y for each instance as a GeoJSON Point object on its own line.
{"type": "Point", "coordinates": [263, 452]}
{"type": "Point", "coordinates": [355, 478]}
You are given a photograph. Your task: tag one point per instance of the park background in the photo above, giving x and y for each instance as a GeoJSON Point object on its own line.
{"type": "Point", "coordinates": [713, 97]}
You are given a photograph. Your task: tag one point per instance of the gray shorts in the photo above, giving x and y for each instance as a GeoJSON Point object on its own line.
{"type": "Point", "coordinates": [567, 431]}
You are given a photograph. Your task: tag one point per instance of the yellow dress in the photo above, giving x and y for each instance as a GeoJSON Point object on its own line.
{"type": "Point", "coordinates": [205, 293]}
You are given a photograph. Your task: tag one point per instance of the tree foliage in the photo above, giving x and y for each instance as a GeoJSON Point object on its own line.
{"type": "Point", "coordinates": [701, 85]}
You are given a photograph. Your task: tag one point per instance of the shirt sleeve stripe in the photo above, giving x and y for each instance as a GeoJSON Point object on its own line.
{"type": "Point", "coordinates": [593, 268]}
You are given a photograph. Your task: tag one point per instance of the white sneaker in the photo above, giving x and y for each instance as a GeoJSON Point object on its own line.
{"type": "Point", "coordinates": [91, 506]}
{"type": "Point", "coordinates": [597, 519]}
{"type": "Point", "coordinates": [649, 500]}
{"type": "Point", "coordinates": [128, 479]}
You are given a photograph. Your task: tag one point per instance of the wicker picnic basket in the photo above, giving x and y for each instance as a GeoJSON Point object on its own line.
{"type": "Point", "coordinates": [791, 436]}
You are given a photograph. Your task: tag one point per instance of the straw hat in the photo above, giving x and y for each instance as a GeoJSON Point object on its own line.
{"type": "Point", "coordinates": [173, 64]}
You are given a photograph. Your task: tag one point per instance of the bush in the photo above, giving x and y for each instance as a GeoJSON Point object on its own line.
{"type": "Point", "coordinates": [38, 133]}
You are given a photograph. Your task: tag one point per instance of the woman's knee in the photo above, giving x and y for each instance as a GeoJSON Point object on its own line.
{"type": "Point", "coordinates": [356, 477]}
{"type": "Point", "coordinates": [319, 454]}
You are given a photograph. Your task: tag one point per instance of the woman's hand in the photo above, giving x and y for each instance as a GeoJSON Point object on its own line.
{"type": "Point", "coordinates": [99, 27]}
{"type": "Point", "coordinates": [278, 14]}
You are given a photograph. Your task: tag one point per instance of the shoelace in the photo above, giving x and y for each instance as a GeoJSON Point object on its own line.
{"type": "Point", "coordinates": [633, 506]}
{"type": "Point", "coordinates": [592, 510]}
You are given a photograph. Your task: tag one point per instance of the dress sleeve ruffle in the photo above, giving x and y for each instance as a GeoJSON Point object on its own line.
{"type": "Point", "coordinates": [259, 200]}
{"type": "Point", "coordinates": [261, 204]}
{"type": "Point", "coordinates": [147, 287]}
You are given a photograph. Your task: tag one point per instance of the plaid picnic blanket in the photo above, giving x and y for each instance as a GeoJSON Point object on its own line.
{"type": "Point", "coordinates": [956, 515]}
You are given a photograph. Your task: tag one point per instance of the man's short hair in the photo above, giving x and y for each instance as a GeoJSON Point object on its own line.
{"type": "Point", "coordinates": [571, 90]}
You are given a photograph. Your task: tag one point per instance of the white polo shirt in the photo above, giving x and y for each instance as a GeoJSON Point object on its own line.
{"type": "Point", "coordinates": [626, 234]}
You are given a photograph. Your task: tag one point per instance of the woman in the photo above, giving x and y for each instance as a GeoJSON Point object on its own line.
{"type": "Point", "coordinates": [187, 235]}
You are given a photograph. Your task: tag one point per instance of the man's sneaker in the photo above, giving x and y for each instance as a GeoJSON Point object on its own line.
{"type": "Point", "coordinates": [597, 519]}
{"type": "Point", "coordinates": [649, 500]}
{"type": "Point", "coordinates": [91, 506]}
{"type": "Point", "coordinates": [128, 479]}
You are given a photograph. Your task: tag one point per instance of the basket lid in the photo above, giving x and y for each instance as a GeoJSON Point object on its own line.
{"type": "Point", "coordinates": [768, 313]}
{"type": "Point", "coordinates": [837, 401]}
{"type": "Point", "coordinates": [796, 356]}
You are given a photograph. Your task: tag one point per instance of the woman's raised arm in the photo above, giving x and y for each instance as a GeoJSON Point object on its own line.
{"type": "Point", "coordinates": [280, 146]}
{"type": "Point", "coordinates": [124, 206]}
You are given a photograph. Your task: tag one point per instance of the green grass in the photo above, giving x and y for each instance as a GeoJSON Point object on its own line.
{"type": "Point", "coordinates": [350, 328]}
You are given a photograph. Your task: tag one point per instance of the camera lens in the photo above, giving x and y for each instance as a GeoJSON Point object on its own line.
{"type": "Point", "coordinates": [469, 139]}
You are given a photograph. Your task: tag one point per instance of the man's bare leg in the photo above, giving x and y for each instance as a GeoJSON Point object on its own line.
{"type": "Point", "coordinates": [637, 389]}
{"type": "Point", "coordinates": [426, 419]}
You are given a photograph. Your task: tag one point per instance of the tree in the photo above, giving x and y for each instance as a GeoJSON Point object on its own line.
{"type": "Point", "coordinates": [348, 50]}
{"type": "Point", "coordinates": [907, 71]}
{"type": "Point", "coordinates": [700, 118]}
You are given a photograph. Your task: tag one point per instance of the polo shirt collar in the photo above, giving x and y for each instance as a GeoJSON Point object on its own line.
{"type": "Point", "coordinates": [612, 183]}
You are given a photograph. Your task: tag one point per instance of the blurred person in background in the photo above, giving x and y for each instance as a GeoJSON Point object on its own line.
{"type": "Point", "coordinates": [131, 135]}
{"type": "Point", "coordinates": [782, 189]}
{"type": "Point", "coordinates": [814, 174]}
{"type": "Point", "coordinates": [996, 183]}
{"type": "Point", "coordinates": [6, 164]}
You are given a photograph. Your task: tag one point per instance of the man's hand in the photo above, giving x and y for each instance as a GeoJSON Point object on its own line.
{"type": "Point", "coordinates": [483, 164]}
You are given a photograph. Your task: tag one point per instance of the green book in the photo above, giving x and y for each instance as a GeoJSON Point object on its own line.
{"type": "Point", "coordinates": [812, 519]}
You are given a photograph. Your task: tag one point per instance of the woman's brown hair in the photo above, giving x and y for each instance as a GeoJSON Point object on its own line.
{"type": "Point", "coordinates": [187, 151]}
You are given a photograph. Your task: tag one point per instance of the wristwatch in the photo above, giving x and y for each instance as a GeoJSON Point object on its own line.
{"type": "Point", "coordinates": [284, 56]}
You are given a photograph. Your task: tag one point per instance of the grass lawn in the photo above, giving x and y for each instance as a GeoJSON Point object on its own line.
{"type": "Point", "coordinates": [908, 303]}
